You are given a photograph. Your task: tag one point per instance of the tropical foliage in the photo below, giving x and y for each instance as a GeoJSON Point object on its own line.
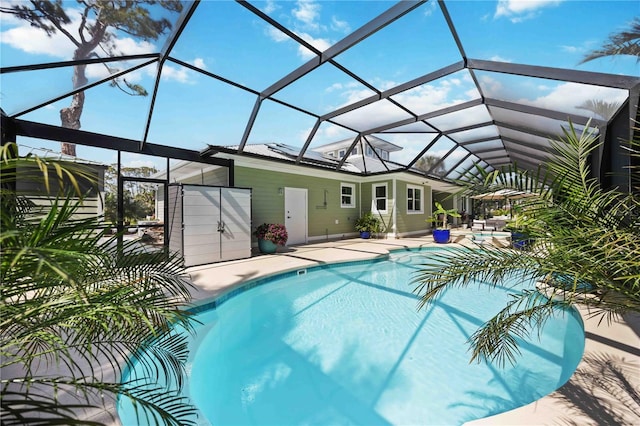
{"type": "Point", "coordinates": [583, 234]}
{"type": "Point", "coordinates": [440, 216]}
{"type": "Point", "coordinates": [138, 197]}
{"type": "Point", "coordinates": [76, 306]}
{"type": "Point", "coordinates": [367, 223]}
{"type": "Point", "coordinates": [430, 164]}
{"type": "Point", "coordinates": [626, 42]}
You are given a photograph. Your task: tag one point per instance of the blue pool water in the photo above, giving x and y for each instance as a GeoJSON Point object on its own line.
{"type": "Point", "coordinates": [346, 345]}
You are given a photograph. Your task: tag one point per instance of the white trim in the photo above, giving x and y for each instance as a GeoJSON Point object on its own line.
{"type": "Point", "coordinates": [328, 237]}
{"type": "Point", "coordinates": [374, 204]}
{"type": "Point", "coordinates": [422, 194]}
{"type": "Point", "coordinates": [394, 212]}
{"type": "Point", "coordinates": [352, 205]}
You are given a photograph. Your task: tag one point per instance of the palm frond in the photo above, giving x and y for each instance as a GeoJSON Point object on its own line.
{"type": "Point", "coordinates": [587, 245]}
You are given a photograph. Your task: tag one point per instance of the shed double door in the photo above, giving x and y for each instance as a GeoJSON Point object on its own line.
{"type": "Point", "coordinates": [215, 224]}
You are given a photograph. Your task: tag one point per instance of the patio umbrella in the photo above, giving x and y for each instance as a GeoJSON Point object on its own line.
{"type": "Point", "coordinates": [504, 194]}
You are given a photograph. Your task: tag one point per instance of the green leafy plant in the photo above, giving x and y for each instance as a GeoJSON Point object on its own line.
{"type": "Point", "coordinates": [77, 306]}
{"type": "Point", "coordinates": [367, 223]}
{"type": "Point", "coordinates": [584, 233]}
{"type": "Point", "coordinates": [440, 214]}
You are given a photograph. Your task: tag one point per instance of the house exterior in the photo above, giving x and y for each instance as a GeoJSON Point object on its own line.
{"type": "Point", "coordinates": [93, 192]}
{"type": "Point", "coordinates": [318, 203]}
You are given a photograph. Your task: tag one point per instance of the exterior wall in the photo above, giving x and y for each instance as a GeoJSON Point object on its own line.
{"type": "Point", "coordinates": [368, 203]}
{"type": "Point", "coordinates": [323, 194]}
{"type": "Point", "coordinates": [412, 222]}
{"type": "Point", "coordinates": [216, 177]}
{"type": "Point", "coordinates": [93, 192]}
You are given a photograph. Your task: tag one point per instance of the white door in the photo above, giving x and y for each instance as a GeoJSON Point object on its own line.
{"type": "Point", "coordinates": [295, 215]}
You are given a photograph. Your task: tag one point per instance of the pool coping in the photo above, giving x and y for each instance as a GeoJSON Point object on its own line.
{"type": "Point", "coordinates": [579, 401]}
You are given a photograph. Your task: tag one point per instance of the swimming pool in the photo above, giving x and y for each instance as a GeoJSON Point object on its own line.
{"type": "Point", "coordinates": [344, 344]}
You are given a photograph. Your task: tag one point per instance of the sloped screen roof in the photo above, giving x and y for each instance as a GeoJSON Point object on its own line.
{"type": "Point", "coordinates": [453, 83]}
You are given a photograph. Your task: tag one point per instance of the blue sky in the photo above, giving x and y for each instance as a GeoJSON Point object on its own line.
{"type": "Point", "coordinates": [193, 110]}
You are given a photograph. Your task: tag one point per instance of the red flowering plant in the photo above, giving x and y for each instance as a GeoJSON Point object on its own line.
{"type": "Point", "coordinates": [274, 232]}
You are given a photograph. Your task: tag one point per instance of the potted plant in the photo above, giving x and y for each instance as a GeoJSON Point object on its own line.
{"type": "Point", "coordinates": [442, 233]}
{"type": "Point", "coordinates": [520, 234]}
{"type": "Point", "coordinates": [366, 224]}
{"type": "Point", "coordinates": [270, 236]}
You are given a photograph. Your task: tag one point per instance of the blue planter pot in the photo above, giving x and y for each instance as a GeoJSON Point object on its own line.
{"type": "Point", "coordinates": [441, 236]}
{"type": "Point", "coordinates": [520, 241]}
{"type": "Point", "coordinates": [267, 247]}
{"type": "Point", "coordinates": [365, 234]}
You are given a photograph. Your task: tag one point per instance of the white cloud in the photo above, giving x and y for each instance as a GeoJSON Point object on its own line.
{"type": "Point", "coordinates": [499, 59]}
{"type": "Point", "coordinates": [566, 97]}
{"type": "Point", "coordinates": [430, 8]}
{"type": "Point", "coordinates": [276, 35]}
{"type": "Point", "coordinates": [341, 26]}
{"type": "Point", "coordinates": [270, 7]}
{"type": "Point", "coordinates": [571, 49]}
{"type": "Point", "coordinates": [521, 10]}
{"type": "Point", "coordinates": [307, 12]}
{"type": "Point", "coordinates": [179, 74]}
{"type": "Point", "coordinates": [35, 41]}
{"type": "Point", "coordinates": [199, 62]}
{"type": "Point", "coordinates": [319, 43]}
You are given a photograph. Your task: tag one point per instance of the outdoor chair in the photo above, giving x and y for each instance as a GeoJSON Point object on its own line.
{"type": "Point", "coordinates": [478, 225]}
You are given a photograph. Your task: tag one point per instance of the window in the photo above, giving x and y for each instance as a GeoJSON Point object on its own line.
{"type": "Point", "coordinates": [369, 151]}
{"type": "Point", "coordinates": [347, 195]}
{"type": "Point", "coordinates": [354, 151]}
{"type": "Point", "coordinates": [341, 153]}
{"type": "Point", "coordinates": [380, 197]}
{"type": "Point", "coordinates": [385, 155]}
{"type": "Point", "coordinates": [414, 199]}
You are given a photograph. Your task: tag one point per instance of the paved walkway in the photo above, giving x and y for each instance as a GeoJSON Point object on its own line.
{"type": "Point", "coordinates": [604, 390]}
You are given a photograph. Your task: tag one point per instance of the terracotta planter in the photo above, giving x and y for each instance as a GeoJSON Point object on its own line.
{"type": "Point", "coordinates": [267, 247]}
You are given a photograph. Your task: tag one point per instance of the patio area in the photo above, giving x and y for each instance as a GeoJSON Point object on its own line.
{"type": "Point", "coordinates": [603, 390]}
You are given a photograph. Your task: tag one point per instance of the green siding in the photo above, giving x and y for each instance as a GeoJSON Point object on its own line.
{"type": "Point", "coordinates": [268, 202]}
{"type": "Point", "coordinates": [412, 222]}
{"type": "Point", "coordinates": [216, 177]}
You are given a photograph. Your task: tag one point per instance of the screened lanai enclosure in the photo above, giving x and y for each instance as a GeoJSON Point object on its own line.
{"type": "Point", "coordinates": [450, 84]}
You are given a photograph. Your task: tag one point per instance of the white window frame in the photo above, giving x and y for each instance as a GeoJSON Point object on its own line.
{"type": "Point", "coordinates": [374, 199]}
{"type": "Point", "coordinates": [415, 188]}
{"type": "Point", "coordinates": [353, 195]}
{"type": "Point", "coordinates": [341, 153]}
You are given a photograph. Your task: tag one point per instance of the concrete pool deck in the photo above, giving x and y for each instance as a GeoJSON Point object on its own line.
{"type": "Point", "coordinates": [605, 389]}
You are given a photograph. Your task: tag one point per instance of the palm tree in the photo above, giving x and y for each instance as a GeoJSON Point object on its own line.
{"type": "Point", "coordinates": [622, 43]}
{"type": "Point", "coordinates": [76, 311]}
{"type": "Point", "coordinates": [586, 242]}
{"type": "Point", "coordinates": [428, 162]}
{"type": "Point", "coordinates": [604, 109]}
